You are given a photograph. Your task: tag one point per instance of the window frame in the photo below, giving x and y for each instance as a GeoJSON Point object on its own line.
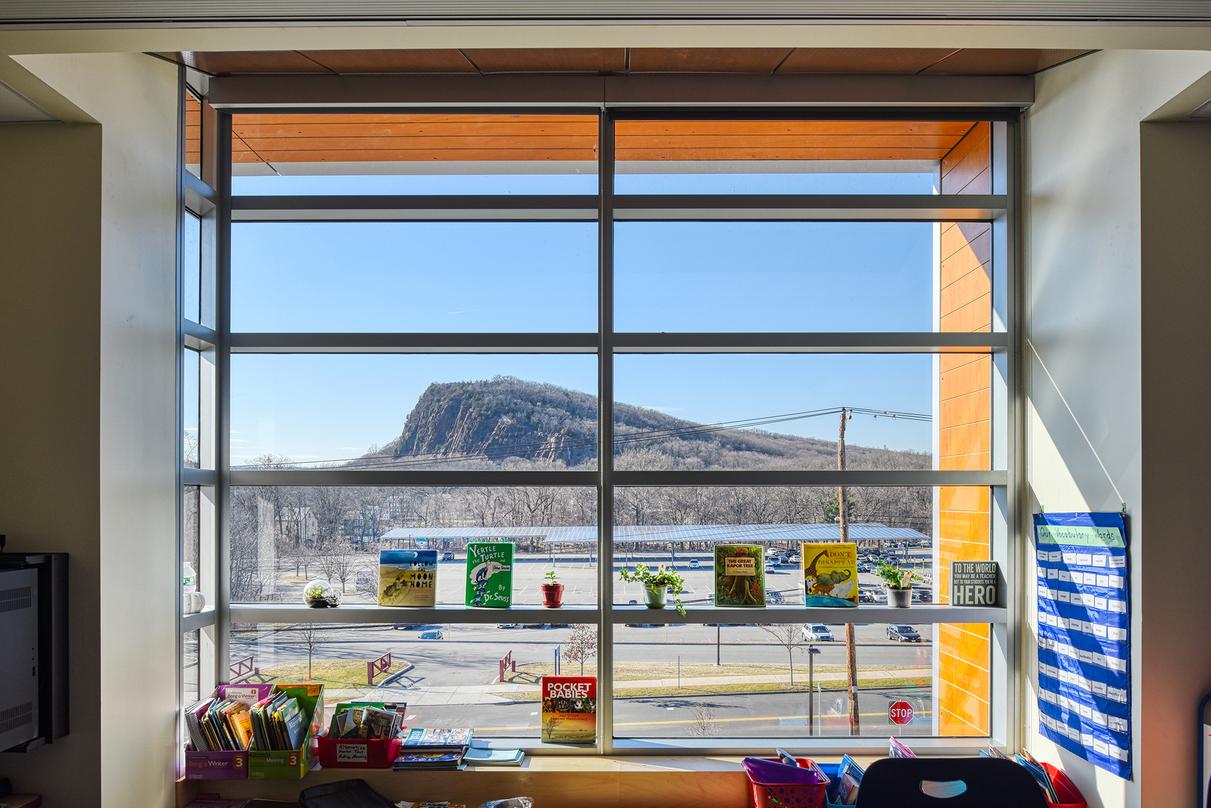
{"type": "Point", "coordinates": [998, 208]}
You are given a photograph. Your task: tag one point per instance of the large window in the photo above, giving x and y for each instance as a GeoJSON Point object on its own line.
{"type": "Point", "coordinates": [609, 338]}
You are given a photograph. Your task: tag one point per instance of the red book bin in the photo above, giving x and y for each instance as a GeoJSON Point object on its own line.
{"type": "Point", "coordinates": [773, 785]}
{"type": "Point", "coordinates": [358, 753]}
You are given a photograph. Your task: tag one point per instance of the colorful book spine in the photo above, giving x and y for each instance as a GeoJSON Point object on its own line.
{"type": "Point", "coordinates": [830, 573]}
{"type": "Point", "coordinates": [407, 577]}
{"type": "Point", "coordinates": [490, 574]}
{"type": "Point", "coordinates": [739, 575]}
{"type": "Point", "coordinates": [569, 709]}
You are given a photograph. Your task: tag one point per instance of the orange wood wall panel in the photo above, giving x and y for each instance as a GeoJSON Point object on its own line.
{"type": "Point", "coordinates": [193, 130]}
{"type": "Point", "coordinates": [965, 435]}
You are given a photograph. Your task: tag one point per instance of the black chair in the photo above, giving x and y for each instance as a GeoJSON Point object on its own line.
{"type": "Point", "coordinates": [948, 783]}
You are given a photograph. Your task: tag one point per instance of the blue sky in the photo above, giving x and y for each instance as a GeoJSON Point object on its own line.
{"type": "Point", "coordinates": [672, 276]}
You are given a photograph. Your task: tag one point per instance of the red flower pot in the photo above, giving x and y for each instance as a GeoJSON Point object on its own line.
{"type": "Point", "coordinates": [552, 595]}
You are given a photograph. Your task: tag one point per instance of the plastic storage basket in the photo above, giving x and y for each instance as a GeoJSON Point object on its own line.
{"type": "Point", "coordinates": [775, 785]}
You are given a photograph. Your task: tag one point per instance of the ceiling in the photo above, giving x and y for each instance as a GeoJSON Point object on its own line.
{"type": "Point", "coordinates": [167, 12]}
{"type": "Point", "coordinates": [624, 61]}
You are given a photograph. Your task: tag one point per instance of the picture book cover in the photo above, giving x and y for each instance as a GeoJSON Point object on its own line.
{"type": "Point", "coordinates": [490, 574]}
{"type": "Point", "coordinates": [437, 737]}
{"type": "Point", "coordinates": [407, 577]}
{"type": "Point", "coordinates": [830, 573]}
{"type": "Point", "coordinates": [739, 575]}
{"type": "Point", "coordinates": [569, 709]}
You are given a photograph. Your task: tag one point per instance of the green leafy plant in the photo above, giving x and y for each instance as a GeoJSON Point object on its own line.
{"type": "Point", "coordinates": [897, 577]}
{"type": "Point", "coordinates": [658, 580]}
{"type": "Point", "coordinates": [552, 577]}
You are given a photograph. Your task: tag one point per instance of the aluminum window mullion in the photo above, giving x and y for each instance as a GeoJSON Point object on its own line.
{"type": "Point", "coordinates": [385, 342]}
{"type": "Point", "coordinates": [221, 156]}
{"type": "Point", "coordinates": [605, 435]}
{"type": "Point", "coordinates": [394, 477]}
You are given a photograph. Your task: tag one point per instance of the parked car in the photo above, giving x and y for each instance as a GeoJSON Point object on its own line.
{"type": "Point", "coordinates": [448, 555]}
{"type": "Point", "coordinates": [508, 625]}
{"type": "Point", "coordinates": [921, 595]}
{"type": "Point", "coordinates": [695, 563]}
{"type": "Point", "coordinates": [817, 632]}
{"type": "Point", "coordinates": [432, 635]}
{"type": "Point", "coordinates": [902, 633]}
{"type": "Point", "coordinates": [793, 558]}
{"type": "Point", "coordinates": [774, 597]}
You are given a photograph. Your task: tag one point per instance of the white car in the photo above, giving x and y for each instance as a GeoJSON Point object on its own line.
{"type": "Point", "coordinates": [817, 632]}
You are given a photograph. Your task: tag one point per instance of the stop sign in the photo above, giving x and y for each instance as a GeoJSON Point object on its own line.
{"type": "Point", "coordinates": [899, 712]}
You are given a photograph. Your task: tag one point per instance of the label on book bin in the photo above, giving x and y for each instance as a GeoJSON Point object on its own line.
{"type": "Point", "coordinates": [352, 753]}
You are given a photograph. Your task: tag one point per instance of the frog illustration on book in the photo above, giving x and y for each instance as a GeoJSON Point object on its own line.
{"type": "Point", "coordinates": [830, 577]}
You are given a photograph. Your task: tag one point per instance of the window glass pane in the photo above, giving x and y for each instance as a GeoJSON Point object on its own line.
{"type": "Point", "coordinates": [780, 276]}
{"type": "Point", "coordinates": [409, 153]}
{"type": "Point", "coordinates": [680, 527]}
{"type": "Point", "coordinates": [414, 411]}
{"type": "Point", "coordinates": [783, 157]}
{"type": "Point", "coordinates": [783, 411]}
{"type": "Point", "coordinates": [450, 672]}
{"type": "Point", "coordinates": [191, 268]}
{"type": "Point", "coordinates": [193, 134]}
{"type": "Point", "coordinates": [283, 537]}
{"type": "Point", "coordinates": [191, 550]}
{"type": "Point", "coordinates": [414, 276]}
{"type": "Point", "coordinates": [191, 369]}
{"type": "Point", "coordinates": [753, 681]}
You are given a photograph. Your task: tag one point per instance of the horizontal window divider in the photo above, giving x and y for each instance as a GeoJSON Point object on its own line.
{"type": "Point", "coordinates": [199, 477]}
{"type": "Point", "coordinates": [810, 477]}
{"type": "Point", "coordinates": [862, 615]}
{"type": "Point", "coordinates": [399, 477]}
{"type": "Point", "coordinates": [252, 342]}
{"type": "Point", "coordinates": [807, 207]}
{"type": "Point", "coordinates": [198, 336]}
{"type": "Point", "coordinates": [415, 207]}
{"type": "Point", "coordinates": [839, 342]}
{"type": "Point", "coordinates": [197, 620]}
{"type": "Point", "coordinates": [401, 615]}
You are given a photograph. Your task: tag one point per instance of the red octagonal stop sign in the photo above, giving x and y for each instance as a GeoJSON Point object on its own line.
{"type": "Point", "coordinates": [899, 712]}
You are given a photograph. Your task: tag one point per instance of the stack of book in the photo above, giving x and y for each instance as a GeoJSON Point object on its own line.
{"type": "Point", "coordinates": [433, 748]}
{"type": "Point", "coordinates": [377, 720]}
{"type": "Point", "coordinates": [278, 723]}
{"type": "Point", "coordinates": [219, 725]}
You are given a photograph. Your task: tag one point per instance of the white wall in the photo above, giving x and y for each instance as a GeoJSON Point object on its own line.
{"type": "Point", "coordinates": [1085, 437]}
{"type": "Point", "coordinates": [50, 283]}
{"type": "Point", "coordinates": [133, 456]}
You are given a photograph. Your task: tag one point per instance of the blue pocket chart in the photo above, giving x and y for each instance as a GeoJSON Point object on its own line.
{"type": "Point", "coordinates": [1084, 649]}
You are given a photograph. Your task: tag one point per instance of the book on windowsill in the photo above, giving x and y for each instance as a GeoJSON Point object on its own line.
{"type": "Point", "coordinates": [449, 759]}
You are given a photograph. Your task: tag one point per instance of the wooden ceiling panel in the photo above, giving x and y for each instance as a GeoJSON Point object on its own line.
{"type": "Point", "coordinates": [347, 62]}
{"type": "Point", "coordinates": [227, 63]}
{"type": "Point", "coordinates": [706, 60]}
{"type": "Point", "coordinates": [1000, 62]}
{"type": "Point", "coordinates": [549, 60]}
{"type": "Point", "coordinates": [386, 137]}
{"type": "Point", "coordinates": [886, 61]}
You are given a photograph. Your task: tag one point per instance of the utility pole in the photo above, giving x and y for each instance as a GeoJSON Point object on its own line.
{"type": "Point", "coordinates": [851, 660]}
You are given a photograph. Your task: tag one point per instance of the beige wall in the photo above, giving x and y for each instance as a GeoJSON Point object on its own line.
{"type": "Point", "coordinates": [1086, 441]}
{"type": "Point", "coordinates": [109, 388]}
{"type": "Point", "coordinates": [50, 282]}
{"type": "Point", "coordinates": [1176, 386]}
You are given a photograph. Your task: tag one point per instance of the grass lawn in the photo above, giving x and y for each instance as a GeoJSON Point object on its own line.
{"type": "Point", "coordinates": [335, 673]}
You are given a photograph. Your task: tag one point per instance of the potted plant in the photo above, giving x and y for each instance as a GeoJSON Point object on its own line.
{"type": "Point", "coordinates": [898, 582]}
{"type": "Point", "coordinates": [657, 585]}
{"type": "Point", "coordinates": [552, 591]}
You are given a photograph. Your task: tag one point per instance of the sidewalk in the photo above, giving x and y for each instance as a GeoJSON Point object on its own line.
{"type": "Point", "coordinates": [505, 692]}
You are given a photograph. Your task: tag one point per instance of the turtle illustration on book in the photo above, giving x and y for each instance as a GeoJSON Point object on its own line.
{"type": "Point", "coordinates": [481, 574]}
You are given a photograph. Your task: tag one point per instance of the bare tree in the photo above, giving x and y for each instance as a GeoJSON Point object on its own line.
{"type": "Point", "coordinates": [704, 718]}
{"type": "Point", "coordinates": [581, 645]}
{"type": "Point", "coordinates": [336, 562]}
{"type": "Point", "coordinates": [790, 637]}
{"type": "Point", "coordinates": [309, 635]}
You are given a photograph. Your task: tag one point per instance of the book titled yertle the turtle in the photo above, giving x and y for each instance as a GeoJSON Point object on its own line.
{"type": "Point", "coordinates": [830, 573]}
{"type": "Point", "coordinates": [739, 575]}
{"type": "Point", "coordinates": [490, 574]}
{"type": "Point", "coordinates": [407, 577]}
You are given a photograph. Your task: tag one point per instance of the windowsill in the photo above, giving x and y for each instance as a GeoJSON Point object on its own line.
{"type": "Point", "coordinates": [586, 781]}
